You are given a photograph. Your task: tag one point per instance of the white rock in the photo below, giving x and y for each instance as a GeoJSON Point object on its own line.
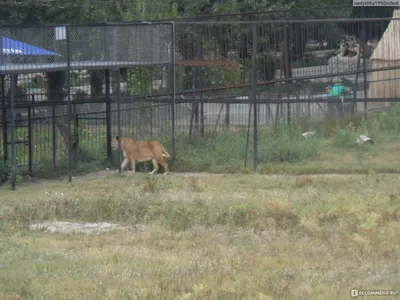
{"type": "Point", "coordinates": [363, 139]}
{"type": "Point", "coordinates": [308, 134]}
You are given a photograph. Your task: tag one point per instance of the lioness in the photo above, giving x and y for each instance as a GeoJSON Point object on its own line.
{"type": "Point", "coordinates": [142, 151]}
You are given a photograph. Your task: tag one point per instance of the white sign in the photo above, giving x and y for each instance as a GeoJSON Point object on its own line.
{"type": "Point", "coordinates": [61, 33]}
{"type": "Point", "coordinates": [376, 2]}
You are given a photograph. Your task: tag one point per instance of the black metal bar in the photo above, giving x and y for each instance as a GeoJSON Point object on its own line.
{"type": "Point", "coordinates": [91, 118]}
{"type": "Point", "coordinates": [227, 115]}
{"type": "Point", "coordinates": [202, 117]}
{"type": "Point", "coordinates": [254, 93]}
{"type": "Point", "coordinates": [364, 42]}
{"type": "Point", "coordinates": [298, 21]}
{"type": "Point", "coordinates": [282, 80]}
{"type": "Point", "coordinates": [108, 115]}
{"type": "Point", "coordinates": [4, 114]}
{"type": "Point", "coordinates": [30, 153]}
{"type": "Point", "coordinates": [173, 88]}
{"type": "Point", "coordinates": [13, 161]}
{"type": "Point", "coordinates": [230, 100]}
{"type": "Point", "coordinates": [118, 95]}
{"type": "Point", "coordinates": [201, 85]}
{"type": "Point", "coordinates": [33, 105]}
{"type": "Point", "coordinates": [247, 137]}
{"type": "Point", "coordinates": [69, 106]}
{"type": "Point", "coordinates": [25, 143]}
{"type": "Point", "coordinates": [53, 137]}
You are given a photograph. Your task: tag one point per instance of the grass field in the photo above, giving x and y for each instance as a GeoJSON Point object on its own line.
{"type": "Point", "coordinates": [203, 237]}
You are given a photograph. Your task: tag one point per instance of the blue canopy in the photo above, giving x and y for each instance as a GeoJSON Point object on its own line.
{"type": "Point", "coordinates": [14, 47]}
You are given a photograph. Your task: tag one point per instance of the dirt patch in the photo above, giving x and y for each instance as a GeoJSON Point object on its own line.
{"type": "Point", "coordinates": [68, 227]}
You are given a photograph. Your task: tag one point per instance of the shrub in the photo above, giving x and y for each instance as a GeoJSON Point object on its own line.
{"type": "Point", "coordinates": [287, 145]}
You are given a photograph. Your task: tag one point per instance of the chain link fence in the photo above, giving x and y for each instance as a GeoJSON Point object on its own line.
{"type": "Point", "coordinates": [179, 80]}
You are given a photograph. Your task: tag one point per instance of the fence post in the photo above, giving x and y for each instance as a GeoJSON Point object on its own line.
{"type": "Point", "coordinates": [227, 115]}
{"type": "Point", "coordinates": [30, 138]}
{"type": "Point", "coordinates": [254, 92]}
{"type": "Point", "coordinates": [4, 115]}
{"type": "Point", "coordinates": [288, 71]}
{"type": "Point", "coordinates": [53, 128]}
{"type": "Point", "coordinates": [364, 66]}
{"type": "Point", "coordinates": [33, 106]}
{"type": "Point", "coordinates": [108, 115]}
{"type": "Point", "coordinates": [76, 136]}
{"type": "Point", "coordinates": [13, 162]}
{"type": "Point", "coordinates": [173, 83]}
{"type": "Point", "coordinates": [201, 86]}
{"type": "Point", "coordinates": [118, 95]}
{"type": "Point", "coordinates": [69, 106]}
{"type": "Point", "coordinates": [247, 135]}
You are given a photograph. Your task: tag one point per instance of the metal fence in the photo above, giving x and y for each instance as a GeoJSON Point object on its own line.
{"type": "Point", "coordinates": [63, 102]}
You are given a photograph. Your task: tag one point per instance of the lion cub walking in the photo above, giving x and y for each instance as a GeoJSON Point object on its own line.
{"type": "Point", "coordinates": [142, 151]}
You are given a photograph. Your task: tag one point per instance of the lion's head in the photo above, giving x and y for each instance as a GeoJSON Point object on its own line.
{"type": "Point", "coordinates": [115, 143]}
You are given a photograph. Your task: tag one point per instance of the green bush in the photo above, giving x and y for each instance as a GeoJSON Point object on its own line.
{"type": "Point", "coordinates": [344, 138]}
{"type": "Point", "coordinates": [4, 171]}
{"type": "Point", "coordinates": [287, 144]}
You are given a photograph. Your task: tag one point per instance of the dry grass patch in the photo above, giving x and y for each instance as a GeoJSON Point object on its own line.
{"type": "Point", "coordinates": [203, 237]}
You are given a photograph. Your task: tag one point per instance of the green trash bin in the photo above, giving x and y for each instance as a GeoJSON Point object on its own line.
{"type": "Point", "coordinates": [337, 90]}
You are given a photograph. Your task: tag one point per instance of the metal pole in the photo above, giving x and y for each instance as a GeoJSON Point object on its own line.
{"type": "Point", "coordinates": [30, 157]}
{"type": "Point", "coordinates": [3, 98]}
{"type": "Point", "coordinates": [173, 88]}
{"type": "Point", "coordinates": [254, 93]}
{"type": "Point", "coordinates": [247, 137]}
{"type": "Point", "coordinates": [53, 129]}
{"type": "Point", "coordinates": [364, 65]}
{"type": "Point", "coordinates": [118, 82]}
{"type": "Point", "coordinates": [108, 115]}
{"type": "Point", "coordinates": [69, 107]}
{"type": "Point", "coordinates": [13, 163]}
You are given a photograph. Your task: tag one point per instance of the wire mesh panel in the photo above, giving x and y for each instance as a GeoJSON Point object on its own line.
{"type": "Point", "coordinates": [140, 43]}
{"type": "Point", "coordinates": [210, 71]}
{"type": "Point", "coordinates": [119, 45]}
{"type": "Point", "coordinates": [25, 50]}
{"type": "Point", "coordinates": [306, 59]}
{"type": "Point", "coordinates": [42, 106]}
{"type": "Point", "coordinates": [291, 69]}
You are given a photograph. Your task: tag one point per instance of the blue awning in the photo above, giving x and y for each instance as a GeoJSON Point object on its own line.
{"type": "Point", "coordinates": [14, 47]}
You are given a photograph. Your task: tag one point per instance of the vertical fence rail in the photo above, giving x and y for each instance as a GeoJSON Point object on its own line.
{"type": "Point", "coordinates": [30, 153]}
{"type": "Point", "coordinates": [53, 136]}
{"type": "Point", "coordinates": [69, 104]}
{"type": "Point", "coordinates": [118, 95]}
{"type": "Point", "coordinates": [4, 114]}
{"type": "Point", "coordinates": [173, 89]}
{"type": "Point", "coordinates": [254, 92]}
{"type": "Point", "coordinates": [12, 112]}
{"type": "Point", "coordinates": [108, 115]}
{"type": "Point", "coordinates": [364, 46]}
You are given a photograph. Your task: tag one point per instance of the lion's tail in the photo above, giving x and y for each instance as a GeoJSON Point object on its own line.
{"type": "Point", "coordinates": [165, 152]}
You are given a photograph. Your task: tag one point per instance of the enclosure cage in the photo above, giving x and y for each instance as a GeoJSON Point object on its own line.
{"type": "Point", "coordinates": [44, 126]}
{"type": "Point", "coordinates": [68, 90]}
